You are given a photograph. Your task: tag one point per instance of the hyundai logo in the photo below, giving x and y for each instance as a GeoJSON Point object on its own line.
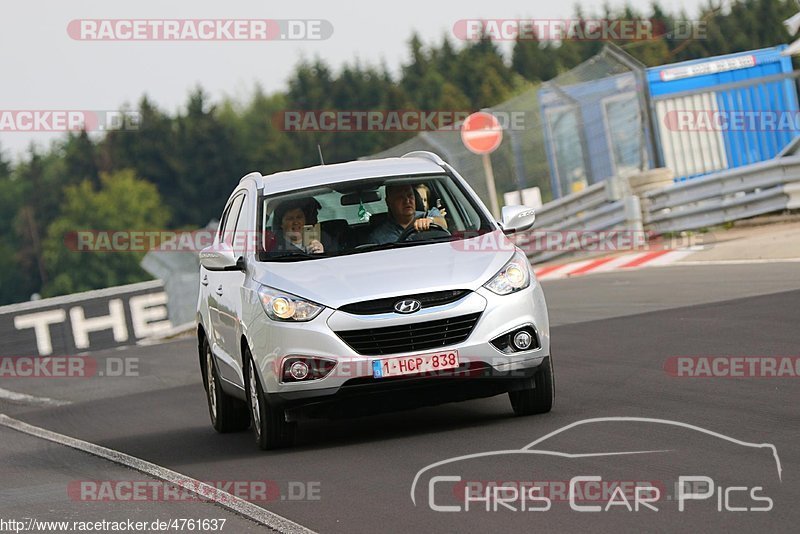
{"type": "Point", "coordinates": [407, 306]}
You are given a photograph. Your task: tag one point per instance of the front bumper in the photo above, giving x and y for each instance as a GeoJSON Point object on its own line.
{"type": "Point", "coordinates": [367, 395]}
{"type": "Point", "coordinates": [272, 343]}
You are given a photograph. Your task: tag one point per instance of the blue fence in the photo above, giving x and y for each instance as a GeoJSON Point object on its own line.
{"type": "Point", "coordinates": [593, 130]}
{"type": "Point", "coordinates": [723, 112]}
{"type": "Point", "coordinates": [695, 117]}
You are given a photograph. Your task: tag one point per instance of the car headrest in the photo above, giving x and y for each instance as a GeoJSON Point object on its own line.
{"type": "Point", "coordinates": [418, 199]}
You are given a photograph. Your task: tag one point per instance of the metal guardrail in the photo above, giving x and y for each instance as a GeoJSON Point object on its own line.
{"type": "Point", "coordinates": [569, 206]}
{"type": "Point", "coordinates": [599, 208]}
{"type": "Point", "coordinates": [726, 196]}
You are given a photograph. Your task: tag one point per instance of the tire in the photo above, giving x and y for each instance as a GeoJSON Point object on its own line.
{"type": "Point", "coordinates": [539, 399]}
{"type": "Point", "coordinates": [270, 427]}
{"type": "Point", "coordinates": [228, 414]}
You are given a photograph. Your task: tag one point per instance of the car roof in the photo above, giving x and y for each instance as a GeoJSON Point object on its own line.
{"type": "Point", "coordinates": [345, 172]}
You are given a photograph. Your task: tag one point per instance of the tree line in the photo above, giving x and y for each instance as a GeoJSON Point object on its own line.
{"type": "Point", "coordinates": [177, 169]}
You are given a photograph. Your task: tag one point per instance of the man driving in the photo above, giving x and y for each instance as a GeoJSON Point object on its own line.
{"type": "Point", "coordinates": [403, 213]}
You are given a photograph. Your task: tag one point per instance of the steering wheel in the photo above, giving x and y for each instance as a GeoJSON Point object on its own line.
{"type": "Point", "coordinates": [410, 230]}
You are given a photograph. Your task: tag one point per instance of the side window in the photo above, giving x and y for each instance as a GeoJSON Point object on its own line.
{"type": "Point", "coordinates": [458, 208]}
{"type": "Point", "coordinates": [222, 220]}
{"type": "Point", "coordinates": [232, 216]}
{"type": "Point", "coordinates": [242, 236]}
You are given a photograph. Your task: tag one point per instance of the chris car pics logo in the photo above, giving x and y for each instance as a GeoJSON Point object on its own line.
{"type": "Point", "coordinates": [451, 492]}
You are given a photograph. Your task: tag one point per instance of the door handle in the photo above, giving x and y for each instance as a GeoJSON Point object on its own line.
{"type": "Point", "coordinates": [219, 290]}
{"type": "Point", "coordinates": [204, 281]}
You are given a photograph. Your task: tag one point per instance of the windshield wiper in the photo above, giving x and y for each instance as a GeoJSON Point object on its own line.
{"type": "Point", "coordinates": [371, 247]}
{"type": "Point", "coordinates": [296, 256]}
{"type": "Point", "coordinates": [443, 239]}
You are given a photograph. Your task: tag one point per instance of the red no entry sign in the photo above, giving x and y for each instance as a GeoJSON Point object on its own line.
{"type": "Point", "coordinates": [481, 133]}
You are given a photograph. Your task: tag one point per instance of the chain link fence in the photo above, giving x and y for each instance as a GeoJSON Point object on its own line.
{"type": "Point", "coordinates": [586, 125]}
{"type": "Point", "coordinates": [519, 162]}
{"type": "Point", "coordinates": [597, 123]}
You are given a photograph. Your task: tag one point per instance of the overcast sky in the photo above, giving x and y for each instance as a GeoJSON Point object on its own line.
{"type": "Point", "coordinates": [44, 69]}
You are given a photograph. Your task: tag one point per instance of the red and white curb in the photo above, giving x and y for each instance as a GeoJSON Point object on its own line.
{"type": "Point", "coordinates": [636, 260]}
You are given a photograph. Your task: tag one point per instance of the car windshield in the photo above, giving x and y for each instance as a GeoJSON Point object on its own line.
{"type": "Point", "coordinates": [375, 214]}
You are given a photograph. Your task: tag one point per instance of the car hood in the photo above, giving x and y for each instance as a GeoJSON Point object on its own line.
{"type": "Point", "coordinates": [335, 282]}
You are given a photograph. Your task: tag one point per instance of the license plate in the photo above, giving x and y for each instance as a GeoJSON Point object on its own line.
{"type": "Point", "coordinates": [411, 365]}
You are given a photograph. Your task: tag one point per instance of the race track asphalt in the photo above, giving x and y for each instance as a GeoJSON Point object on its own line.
{"type": "Point", "coordinates": [613, 335]}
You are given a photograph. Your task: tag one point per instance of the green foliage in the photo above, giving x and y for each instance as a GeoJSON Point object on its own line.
{"type": "Point", "coordinates": [534, 61]}
{"type": "Point", "coordinates": [122, 202]}
{"type": "Point", "coordinates": [80, 159]}
{"type": "Point", "coordinates": [15, 283]}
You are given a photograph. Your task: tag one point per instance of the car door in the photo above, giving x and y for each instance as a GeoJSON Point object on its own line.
{"type": "Point", "coordinates": [208, 282]}
{"type": "Point", "coordinates": [229, 294]}
{"type": "Point", "coordinates": [214, 280]}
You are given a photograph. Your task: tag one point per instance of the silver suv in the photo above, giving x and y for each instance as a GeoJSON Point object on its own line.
{"type": "Point", "coordinates": [366, 286]}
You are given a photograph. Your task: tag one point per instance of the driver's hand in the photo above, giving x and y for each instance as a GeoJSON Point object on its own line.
{"type": "Point", "coordinates": [422, 224]}
{"type": "Point", "coordinates": [315, 247]}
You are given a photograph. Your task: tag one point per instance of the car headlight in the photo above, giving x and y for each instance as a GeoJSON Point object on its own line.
{"type": "Point", "coordinates": [513, 277]}
{"type": "Point", "coordinates": [281, 306]}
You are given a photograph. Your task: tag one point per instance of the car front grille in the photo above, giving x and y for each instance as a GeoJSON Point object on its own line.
{"type": "Point", "coordinates": [410, 337]}
{"type": "Point", "coordinates": [386, 305]}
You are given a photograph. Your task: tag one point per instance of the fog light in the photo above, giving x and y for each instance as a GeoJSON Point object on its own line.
{"type": "Point", "coordinates": [299, 370]}
{"type": "Point", "coordinates": [305, 368]}
{"type": "Point", "coordinates": [522, 340]}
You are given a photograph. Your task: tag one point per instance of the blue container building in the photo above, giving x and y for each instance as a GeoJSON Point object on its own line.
{"type": "Point", "coordinates": [695, 117]}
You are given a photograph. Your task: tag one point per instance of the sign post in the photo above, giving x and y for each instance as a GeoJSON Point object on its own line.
{"type": "Point", "coordinates": [481, 133]}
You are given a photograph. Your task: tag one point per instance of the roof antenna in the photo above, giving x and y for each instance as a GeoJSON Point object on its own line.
{"type": "Point", "coordinates": [319, 149]}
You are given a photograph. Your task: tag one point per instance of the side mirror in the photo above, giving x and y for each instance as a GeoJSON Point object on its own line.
{"type": "Point", "coordinates": [219, 258]}
{"type": "Point", "coordinates": [517, 219]}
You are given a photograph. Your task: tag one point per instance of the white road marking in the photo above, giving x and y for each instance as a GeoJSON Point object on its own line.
{"type": "Point", "coordinates": [616, 264]}
{"type": "Point", "coordinates": [563, 270]}
{"type": "Point", "coordinates": [741, 262]}
{"type": "Point", "coordinates": [205, 491]}
{"type": "Point", "coordinates": [670, 258]}
{"type": "Point", "coordinates": [30, 399]}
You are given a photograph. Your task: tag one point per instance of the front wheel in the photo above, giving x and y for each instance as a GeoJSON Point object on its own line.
{"type": "Point", "coordinates": [540, 398]}
{"type": "Point", "coordinates": [228, 414]}
{"type": "Point", "coordinates": [271, 429]}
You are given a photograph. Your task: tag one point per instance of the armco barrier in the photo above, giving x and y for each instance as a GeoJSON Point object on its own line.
{"type": "Point", "coordinates": [725, 196]}
{"type": "Point", "coordinates": [83, 322]}
{"type": "Point", "coordinates": [598, 208]}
